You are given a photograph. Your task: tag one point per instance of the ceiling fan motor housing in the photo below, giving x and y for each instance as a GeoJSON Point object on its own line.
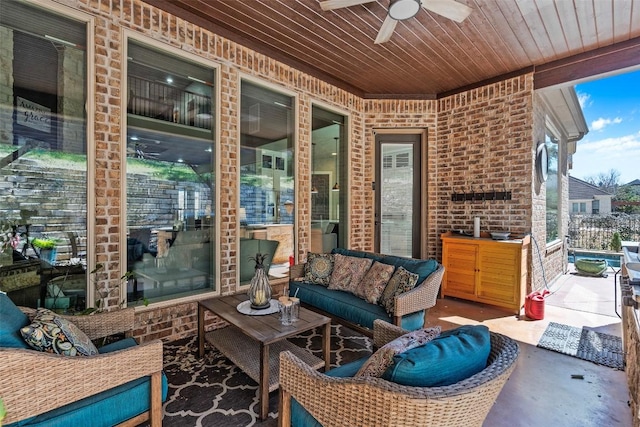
{"type": "Point", "coordinates": [404, 9]}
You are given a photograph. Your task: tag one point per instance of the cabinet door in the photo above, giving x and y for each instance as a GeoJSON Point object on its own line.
{"type": "Point", "coordinates": [499, 267]}
{"type": "Point", "coordinates": [460, 269]}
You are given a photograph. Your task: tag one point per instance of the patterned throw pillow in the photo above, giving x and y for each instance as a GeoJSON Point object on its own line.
{"type": "Point", "coordinates": [401, 281]}
{"type": "Point", "coordinates": [371, 286]}
{"type": "Point", "coordinates": [348, 271]}
{"type": "Point", "coordinates": [318, 268]}
{"type": "Point", "coordinates": [53, 334]}
{"type": "Point", "coordinates": [379, 361]}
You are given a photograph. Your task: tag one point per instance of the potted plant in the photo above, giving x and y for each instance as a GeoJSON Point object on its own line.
{"type": "Point", "coordinates": [7, 240]}
{"type": "Point", "coordinates": [47, 247]}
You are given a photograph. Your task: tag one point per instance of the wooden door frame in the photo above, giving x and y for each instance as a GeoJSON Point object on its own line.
{"type": "Point", "coordinates": [423, 133]}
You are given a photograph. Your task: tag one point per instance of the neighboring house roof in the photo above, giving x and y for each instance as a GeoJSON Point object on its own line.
{"type": "Point", "coordinates": [579, 190]}
{"type": "Point", "coordinates": [634, 182]}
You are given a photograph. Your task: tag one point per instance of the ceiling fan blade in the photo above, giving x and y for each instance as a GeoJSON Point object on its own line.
{"type": "Point", "coordinates": [339, 4]}
{"type": "Point", "coordinates": [386, 31]}
{"type": "Point", "coordinates": [448, 8]}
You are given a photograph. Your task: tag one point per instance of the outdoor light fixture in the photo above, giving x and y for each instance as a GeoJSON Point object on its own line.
{"type": "Point", "coordinates": [404, 9]}
{"type": "Point", "coordinates": [288, 207]}
{"type": "Point", "coordinates": [336, 187]}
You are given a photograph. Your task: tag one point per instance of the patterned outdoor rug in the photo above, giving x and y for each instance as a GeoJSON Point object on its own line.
{"type": "Point", "coordinates": [212, 391]}
{"type": "Point", "coordinates": [597, 347]}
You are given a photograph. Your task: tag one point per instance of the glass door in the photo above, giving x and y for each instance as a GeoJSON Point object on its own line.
{"type": "Point", "coordinates": [397, 188]}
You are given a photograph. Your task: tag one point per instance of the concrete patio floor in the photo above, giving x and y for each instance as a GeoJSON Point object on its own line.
{"type": "Point", "coordinates": [541, 391]}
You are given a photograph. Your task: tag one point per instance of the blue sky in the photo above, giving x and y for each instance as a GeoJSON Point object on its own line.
{"type": "Point", "coordinates": [611, 108]}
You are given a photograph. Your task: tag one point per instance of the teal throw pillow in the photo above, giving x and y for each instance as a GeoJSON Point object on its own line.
{"type": "Point", "coordinates": [422, 267]}
{"type": "Point", "coordinates": [11, 320]}
{"type": "Point", "coordinates": [53, 334]}
{"type": "Point", "coordinates": [453, 356]}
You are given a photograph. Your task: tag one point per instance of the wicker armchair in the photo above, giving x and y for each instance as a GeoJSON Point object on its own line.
{"type": "Point", "coordinates": [33, 383]}
{"type": "Point", "coordinates": [336, 401]}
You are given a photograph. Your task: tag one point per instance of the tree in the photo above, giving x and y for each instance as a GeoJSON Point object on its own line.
{"type": "Point", "coordinates": [630, 195]}
{"type": "Point", "coordinates": [607, 181]}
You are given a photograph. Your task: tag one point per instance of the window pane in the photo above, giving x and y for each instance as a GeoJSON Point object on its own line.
{"type": "Point", "coordinates": [266, 180]}
{"type": "Point", "coordinates": [43, 158]}
{"type": "Point", "coordinates": [328, 186]}
{"type": "Point", "coordinates": [552, 188]}
{"type": "Point", "coordinates": [170, 176]}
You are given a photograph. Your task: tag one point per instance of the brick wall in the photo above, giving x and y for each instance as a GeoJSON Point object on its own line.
{"type": "Point", "coordinates": [479, 138]}
{"type": "Point", "coordinates": [401, 115]}
{"type": "Point", "coordinates": [484, 143]}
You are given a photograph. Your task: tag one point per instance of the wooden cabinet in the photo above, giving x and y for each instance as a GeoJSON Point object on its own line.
{"type": "Point", "coordinates": [486, 270]}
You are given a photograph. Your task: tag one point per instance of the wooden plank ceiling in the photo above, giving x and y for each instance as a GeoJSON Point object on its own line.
{"type": "Point", "coordinates": [428, 55]}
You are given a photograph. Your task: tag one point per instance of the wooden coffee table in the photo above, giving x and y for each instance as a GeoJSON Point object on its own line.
{"type": "Point", "coordinates": [254, 343]}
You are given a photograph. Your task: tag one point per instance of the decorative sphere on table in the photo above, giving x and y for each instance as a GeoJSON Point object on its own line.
{"type": "Point", "coordinates": [259, 288]}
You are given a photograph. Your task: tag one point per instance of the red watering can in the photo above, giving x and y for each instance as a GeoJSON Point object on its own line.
{"type": "Point", "coordinates": [534, 304]}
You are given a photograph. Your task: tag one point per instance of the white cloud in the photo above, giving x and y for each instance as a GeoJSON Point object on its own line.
{"type": "Point", "coordinates": [584, 99]}
{"type": "Point", "coordinates": [621, 154]}
{"type": "Point", "coordinates": [601, 123]}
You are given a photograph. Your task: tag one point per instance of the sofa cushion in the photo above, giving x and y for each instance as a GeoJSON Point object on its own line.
{"type": "Point", "coordinates": [347, 272]}
{"type": "Point", "coordinates": [358, 254]}
{"type": "Point", "coordinates": [11, 320]}
{"type": "Point", "coordinates": [118, 345]}
{"type": "Point", "coordinates": [401, 281]}
{"type": "Point", "coordinates": [422, 267]}
{"type": "Point", "coordinates": [383, 358]}
{"type": "Point", "coordinates": [453, 356]}
{"type": "Point", "coordinates": [53, 334]}
{"type": "Point", "coordinates": [318, 268]}
{"type": "Point", "coordinates": [105, 409]}
{"type": "Point", "coordinates": [349, 307]}
{"type": "Point", "coordinates": [373, 283]}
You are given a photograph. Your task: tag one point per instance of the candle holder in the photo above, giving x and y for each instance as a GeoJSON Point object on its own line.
{"type": "Point", "coordinates": [259, 288]}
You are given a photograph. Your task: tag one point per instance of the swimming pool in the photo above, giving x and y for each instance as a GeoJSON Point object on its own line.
{"type": "Point", "coordinates": [613, 260]}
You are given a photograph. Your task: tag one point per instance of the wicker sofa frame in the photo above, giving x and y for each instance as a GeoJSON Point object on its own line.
{"type": "Point", "coordinates": [422, 297]}
{"type": "Point", "coordinates": [337, 402]}
{"type": "Point", "coordinates": [33, 382]}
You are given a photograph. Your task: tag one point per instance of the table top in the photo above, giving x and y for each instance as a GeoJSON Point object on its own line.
{"type": "Point", "coordinates": [266, 329]}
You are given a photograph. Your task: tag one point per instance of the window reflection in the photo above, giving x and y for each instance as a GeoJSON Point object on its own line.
{"type": "Point", "coordinates": [552, 187]}
{"type": "Point", "coordinates": [43, 158]}
{"type": "Point", "coordinates": [328, 191]}
{"type": "Point", "coordinates": [267, 202]}
{"type": "Point", "coordinates": [170, 177]}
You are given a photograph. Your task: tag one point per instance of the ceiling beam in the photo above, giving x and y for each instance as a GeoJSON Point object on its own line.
{"type": "Point", "coordinates": [593, 63]}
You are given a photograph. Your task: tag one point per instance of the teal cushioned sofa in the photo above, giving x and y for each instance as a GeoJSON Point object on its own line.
{"type": "Point", "coordinates": [410, 307]}
{"type": "Point", "coordinates": [123, 385]}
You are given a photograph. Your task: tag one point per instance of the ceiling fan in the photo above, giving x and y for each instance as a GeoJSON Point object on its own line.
{"type": "Point", "coordinates": [139, 151]}
{"type": "Point", "coordinates": [399, 10]}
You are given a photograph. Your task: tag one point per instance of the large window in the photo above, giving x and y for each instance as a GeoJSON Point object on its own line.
{"type": "Point", "coordinates": [552, 187]}
{"type": "Point", "coordinates": [328, 192]}
{"type": "Point", "coordinates": [267, 199]}
{"type": "Point", "coordinates": [170, 176]}
{"type": "Point", "coordinates": [43, 157]}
